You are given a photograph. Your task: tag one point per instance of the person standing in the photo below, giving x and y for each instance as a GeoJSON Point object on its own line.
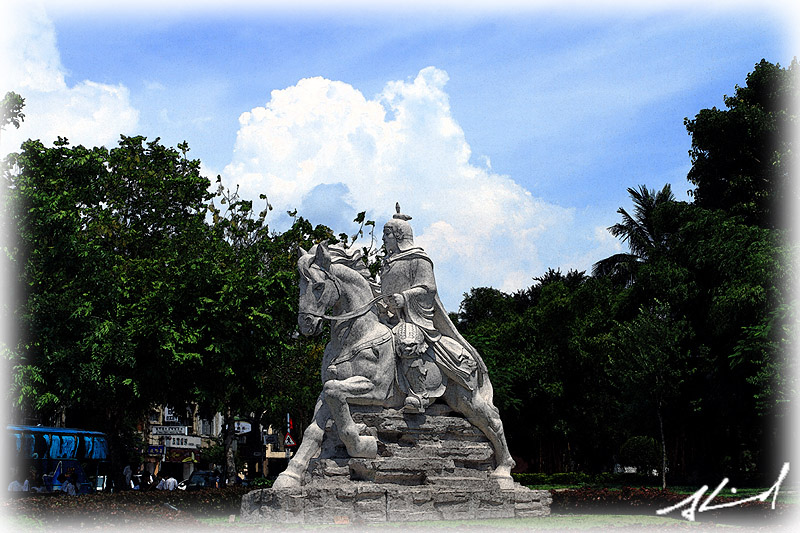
{"type": "Point", "coordinates": [170, 483]}
{"type": "Point", "coordinates": [68, 485]}
{"type": "Point", "coordinates": [127, 473]}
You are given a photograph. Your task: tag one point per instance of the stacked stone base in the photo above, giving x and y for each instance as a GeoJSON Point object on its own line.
{"type": "Point", "coordinates": [372, 502]}
{"type": "Point", "coordinates": [432, 466]}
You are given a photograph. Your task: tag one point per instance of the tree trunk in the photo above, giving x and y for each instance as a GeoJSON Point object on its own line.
{"type": "Point", "coordinates": [663, 449]}
{"type": "Point", "coordinates": [118, 456]}
{"type": "Point", "coordinates": [229, 470]}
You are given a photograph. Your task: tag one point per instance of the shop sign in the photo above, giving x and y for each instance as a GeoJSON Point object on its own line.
{"type": "Point", "coordinates": [188, 442]}
{"type": "Point", "coordinates": [176, 455]}
{"type": "Point", "coordinates": [242, 427]}
{"type": "Point", "coordinates": [169, 430]}
{"type": "Point", "coordinates": [155, 450]}
{"type": "Point", "coordinates": [169, 415]}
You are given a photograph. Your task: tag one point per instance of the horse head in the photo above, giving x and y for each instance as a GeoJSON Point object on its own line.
{"type": "Point", "coordinates": [318, 288]}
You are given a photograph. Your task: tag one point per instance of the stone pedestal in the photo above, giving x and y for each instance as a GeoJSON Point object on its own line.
{"type": "Point", "coordinates": [431, 466]}
{"type": "Point", "coordinates": [361, 501]}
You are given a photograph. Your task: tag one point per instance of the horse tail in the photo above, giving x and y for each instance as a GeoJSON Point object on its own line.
{"type": "Point", "coordinates": [485, 389]}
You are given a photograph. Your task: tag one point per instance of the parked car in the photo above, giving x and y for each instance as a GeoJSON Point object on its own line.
{"type": "Point", "coordinates": [200, 479]}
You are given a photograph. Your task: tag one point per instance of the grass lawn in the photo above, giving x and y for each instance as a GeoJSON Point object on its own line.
{"type": "Point", "coordinates": [588, 522]}
{"type": "Point", "coordinates": [555, 522]}
{"type": "Point", "coordinates": [784, 496]}
{"type": "Point", "coordinates": [218, 510]}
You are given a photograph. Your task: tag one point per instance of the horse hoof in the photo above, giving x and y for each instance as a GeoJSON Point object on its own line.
{"type": "Point", "coordinates": [504, 482]}
{"type": "Point", "coordinates": [502, 472]}
{"type": "Point", "coordinates": [413, 405]}
{"type": "Point", "coordinates": [364, 448]}
{"type": "Point", "coordinates": [287, 480]}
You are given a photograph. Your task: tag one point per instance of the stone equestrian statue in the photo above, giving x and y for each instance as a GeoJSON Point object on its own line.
{"type": "Point", "coordinates": [432, 359]}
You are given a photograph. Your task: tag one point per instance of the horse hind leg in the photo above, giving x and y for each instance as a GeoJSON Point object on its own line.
{"type": "Point", "coordinates": [485, 417]}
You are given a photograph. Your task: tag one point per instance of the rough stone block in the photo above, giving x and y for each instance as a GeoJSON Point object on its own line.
{"type": "Point", "coordinates": [431, 466]}
{"type": "Point", "coordinates": [373, 502]}
{"type": "Point", "coordinates": [453, 504]}
{"type": "Point", "coordinates": [370, 504]}
{"type": "Point", "coordinates": [410, 505]}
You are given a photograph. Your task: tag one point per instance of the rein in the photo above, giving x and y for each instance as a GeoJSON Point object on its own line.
{"type": "Point", "coordinates": [352, 314]}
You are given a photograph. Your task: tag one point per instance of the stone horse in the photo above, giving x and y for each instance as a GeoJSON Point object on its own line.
{"type": "Point", "coordinates": [359, 365]}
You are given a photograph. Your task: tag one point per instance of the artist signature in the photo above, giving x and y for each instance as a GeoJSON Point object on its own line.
{"type": "Point", "coordinates": [695, 506]}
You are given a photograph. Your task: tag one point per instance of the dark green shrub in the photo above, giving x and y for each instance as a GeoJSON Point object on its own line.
{"type": "Point", "coordinates": [641, 452]}
{"type": "Point", "coordinates": [261, 483]}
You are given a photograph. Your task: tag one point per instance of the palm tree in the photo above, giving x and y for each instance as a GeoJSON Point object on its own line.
{"type": "Point", "coordinates": [644, 232]}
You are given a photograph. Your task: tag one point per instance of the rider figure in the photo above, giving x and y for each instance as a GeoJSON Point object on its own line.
{"type": "Point", "coordinates": [409, 288]}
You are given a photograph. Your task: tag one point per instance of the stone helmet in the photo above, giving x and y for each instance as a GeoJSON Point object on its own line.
{"type": "Point", "coordinates": [401, 229]}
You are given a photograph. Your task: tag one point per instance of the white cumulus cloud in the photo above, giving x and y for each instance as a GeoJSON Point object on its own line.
{"type": "Point", "coordinates": [88, 112]}
{"type": "Point", "coordinates": [325, 149]}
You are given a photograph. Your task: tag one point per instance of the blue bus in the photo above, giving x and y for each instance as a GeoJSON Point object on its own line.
{"type": "Point", "coordinates": [54, 451]}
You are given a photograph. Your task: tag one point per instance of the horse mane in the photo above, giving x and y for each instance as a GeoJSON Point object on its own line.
{"type": "Point", "coordinates": [339, 256]}
{"type": "Point", "coordinates": [353, 260]}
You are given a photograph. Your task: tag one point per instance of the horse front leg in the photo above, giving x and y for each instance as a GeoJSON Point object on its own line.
{"type": "Point", "coordinates": [336, 393]}
{"type": "Point", "coordinates": [312, 442]}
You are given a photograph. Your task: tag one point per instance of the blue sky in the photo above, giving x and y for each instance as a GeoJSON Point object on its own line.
{"type": "Point", "coordinates": [509, 133]}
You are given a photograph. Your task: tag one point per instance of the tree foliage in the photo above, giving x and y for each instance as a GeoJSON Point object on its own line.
{"type": "Point", "coordinates": [645, 232]}
{"type": "Point", "coordinates": [685, 338]}
{"type": "Point", "coordinates": [742, 156]}
{"type": "Point", "coordinates": [248, 355]}
{"type": "Point", "coordinates": [102, 234]}
{"type": "Point", "coordinates": [11, 110]}
{"type": "Point", "coordinates": [138, 291]}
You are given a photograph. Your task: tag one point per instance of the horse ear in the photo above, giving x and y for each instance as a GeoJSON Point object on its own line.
{"type": "Point", "coordinates": [301, 252]}
{"type": "Point", "coordinates": [323, 256]}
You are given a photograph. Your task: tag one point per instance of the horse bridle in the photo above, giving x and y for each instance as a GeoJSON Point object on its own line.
{"type": "Point", "coordinates": [346, 316]}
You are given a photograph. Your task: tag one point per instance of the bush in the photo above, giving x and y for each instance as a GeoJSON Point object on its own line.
{"type": "Point", "coordinates": [261, 483]}
{"type": "Point", "coordinates": [603, 479]}
{"type": "Point", "coordinates": [638, 500]}
{"type": "Point", "coordinates": [641, 452]}
{"type": "Point", "coordinates": [129, 507]}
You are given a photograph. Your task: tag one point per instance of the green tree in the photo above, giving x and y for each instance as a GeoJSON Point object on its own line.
{"type": "Point", "coordinates": [139, 291]}
{"type": "Point", "coordinates": [106, 240]}
{"type": "Point", "coordinates": [547, 352]}
{"type": "Point", "coordinates": [742, 156]}
{"type": "Point", "coordinates": [645, 232]}
{"type": "Point", "coordinates": [742, 164]}
{"type": "Point", "coordinates": [481, 304]}
{"type": "Point", "coordinates": [722, 280]}
{"type": "Point", "coordinates": [10, 113]}
{"type": "Point", "coordinates": [11, 109]}
{"type": "Point", "coordinates": [687, 337]}
{"type": "Point", "coordinates": [766, 347]}
{"type": "Point", "coordinates": [743, 272]}
{"type": "Point", "coordinates": [650, 361]}
{"type": "Point", "coordinates": [249, 358]}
